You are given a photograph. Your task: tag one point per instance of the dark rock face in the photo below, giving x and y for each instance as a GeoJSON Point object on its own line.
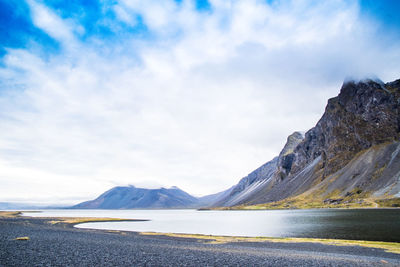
{"type": "Point", "coordinates": [287, 155]}
{"type": "Point", "coordinates": [354, 146]}
{"type": "Point", "coordinates": [364, 114]}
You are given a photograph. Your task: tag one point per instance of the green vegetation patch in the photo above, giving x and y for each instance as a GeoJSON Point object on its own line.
{"type": "Point", "coordinates": [351, 201]}
{"type": "Point", "coordinates": [312, 199]}
{"type": "Point", "coordinates": [378, 172]}
{"type": "Point", "coordinates": [389, 203]}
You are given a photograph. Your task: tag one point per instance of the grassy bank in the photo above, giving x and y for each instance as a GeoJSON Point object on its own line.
{"type": "Point", "coordinates": [387, 246]}
{"type": "Point", "coordinates": [302, 202]}
{"type": "Point", "coordinates": [67, 220]}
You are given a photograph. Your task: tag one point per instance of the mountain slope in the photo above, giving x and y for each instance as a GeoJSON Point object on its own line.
{"type": "Point", "coordinates": [351, 157]}
{"type": "Point", "coordinates": [213, 198]}
{"type": "Point", "coordinates": [130, 197]}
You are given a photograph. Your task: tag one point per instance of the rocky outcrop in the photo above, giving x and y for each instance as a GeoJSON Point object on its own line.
{"type": "Point", "coordinates": [352, 151]}
{"type": "Point", "coordinates": [364, 114]}
{"type": "Point", "coordinates": [287, 155]}
{"type": "Point", "coordinates": [256, 181]}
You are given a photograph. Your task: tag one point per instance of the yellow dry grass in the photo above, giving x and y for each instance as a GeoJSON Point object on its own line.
{"type": "Point", "coordinates": [9, 214]}
{"type": "Point", "coordinates": [77, 220]}
{"type": "Point", "coordinates": [387, 246]}
{"type": "Point", "coordinates": [67, 220]}
{"type": "Point", "coordinates": [22, 238]}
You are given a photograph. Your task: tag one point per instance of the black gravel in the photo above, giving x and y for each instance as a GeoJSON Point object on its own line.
{"type": "Point", "coordinates": [63, 245]}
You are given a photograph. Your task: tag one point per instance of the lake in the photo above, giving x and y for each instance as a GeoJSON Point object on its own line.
{"type": "Point", "coordinates": [361, 224]}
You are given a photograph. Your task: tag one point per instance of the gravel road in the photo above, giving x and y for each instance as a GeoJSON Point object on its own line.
{"type": "Point", "coordinates": [63, 245]}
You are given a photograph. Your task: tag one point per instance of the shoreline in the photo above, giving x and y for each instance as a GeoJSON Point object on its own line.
{"type": "Point", "coordinates": [32, 241]}
{"type": "Point", "coordinates": [319, 208]}
{"type": "Point", "coordinates": [71, 221]}
{"type": "Point", "coordinates": [392, 247]}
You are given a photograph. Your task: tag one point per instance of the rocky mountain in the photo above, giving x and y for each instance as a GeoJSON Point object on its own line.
{"type": "Point", "coordinates": [350, 158]}
{"type": "Point", "coordinates": [131, 197]}
{"type": "Point", "coordinates": [250, 185]}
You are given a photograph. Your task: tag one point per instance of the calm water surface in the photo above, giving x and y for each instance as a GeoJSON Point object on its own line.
{"type": "Point", "coordinates": [363, 224]}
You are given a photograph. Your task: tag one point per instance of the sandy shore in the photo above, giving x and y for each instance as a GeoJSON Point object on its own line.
{"type": "Point", "coordinates": [53, 242]}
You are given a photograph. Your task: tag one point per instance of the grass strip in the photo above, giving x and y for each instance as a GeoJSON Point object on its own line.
{"type": "Point", "coordinates": [10, 214]}
{"type": "Point", "coordinates": [22, 238]}
{"type": "Point", "coordinates": [68, 220]}
{"type": "Point", "coordinates": [392, 247]}
{"type": "Point", "coordinates": [77, 220]}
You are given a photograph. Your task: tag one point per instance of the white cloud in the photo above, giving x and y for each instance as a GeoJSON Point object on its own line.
{"type": "Point", "coordinates": [157, 15]}
{"type": "Point", "coordinates": [49, 22]}
{"type": "Point", "coordinates": [208, 100]}
{"type": "Point", "coordinates": [125, 16]}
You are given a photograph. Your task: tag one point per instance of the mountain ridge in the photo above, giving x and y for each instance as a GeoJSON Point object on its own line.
{"type": "Point", "coordinates": [354, 146]}
{"type": "Point", "coordinates": [131, 197]}
{"type": "Point", "coordinates": [350, 158]}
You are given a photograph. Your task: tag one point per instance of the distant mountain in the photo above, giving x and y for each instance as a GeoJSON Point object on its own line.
{"type": "Point", "coordinates": [210, 199]}
{"type": "Point", "coordinates": [27, 206]}
{"type": "Point", "coordinates": [14, 206]}
{"type": "Point", "coordinates": [350, 158]}
{"type": "Point", "coordinates": [131, 197]}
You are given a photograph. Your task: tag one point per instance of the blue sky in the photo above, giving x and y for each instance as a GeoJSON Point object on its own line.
{"type": "Point", "coordinates": [97, 18]}
{"type": "Point", "coordinates": [100, 20]}
{"type": "Point", "coordinates": [160, 93]}
{"type": "Point", "coordinates": [385, 11]}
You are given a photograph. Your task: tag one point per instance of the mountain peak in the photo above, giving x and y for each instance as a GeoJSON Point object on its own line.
{"type": "Point", "coordinates": [131, 197]}
{"type": "Point", "coordinates": [292, 141]}
{"type": "Point", "coordinates": [371, 79]}
{"type": "Point", "coordinates": [364, 114]}
{"type": "Point", "coordinates": [353, 151]}
{"type": "Point", "coordinates": [174, 188]}
{"type": "Point", "coordinates": [352, 91]}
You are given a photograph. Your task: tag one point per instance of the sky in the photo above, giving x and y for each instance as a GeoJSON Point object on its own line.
{"type": "Point", "coordinates": [195, 94]}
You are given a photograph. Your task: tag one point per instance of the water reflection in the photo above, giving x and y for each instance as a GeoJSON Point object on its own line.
{"type": "Point", "coordinates": [363, 224]}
